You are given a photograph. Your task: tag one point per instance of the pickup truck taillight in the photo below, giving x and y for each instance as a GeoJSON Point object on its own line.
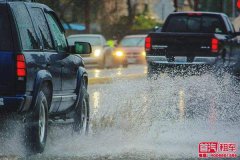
{"type": "Point", "coordinates": [215, 45]}
{"type": "Point", "coordinates": [21, 66]}
{"type": "Point", "coordinates": [148, 43]}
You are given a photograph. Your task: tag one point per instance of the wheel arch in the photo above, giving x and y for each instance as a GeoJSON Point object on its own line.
{"type": "Point", "coordinates": [43, 81]}
{"type": "Point", "coordinates": [81, 75]}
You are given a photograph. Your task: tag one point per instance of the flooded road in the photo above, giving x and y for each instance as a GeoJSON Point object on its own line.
{"type": "Point", "coordinates": [138, 118]}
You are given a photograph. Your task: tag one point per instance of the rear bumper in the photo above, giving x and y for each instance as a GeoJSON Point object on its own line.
{"type": "Point", "coordinates": [182, 60]}
{"type": "Point", "coordinates": [15, 104]}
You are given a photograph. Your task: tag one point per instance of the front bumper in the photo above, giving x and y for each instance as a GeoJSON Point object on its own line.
{"type": "Point", "coordinates": [15, 104]}
{"type": "Point", "coordinates": [182, 60]}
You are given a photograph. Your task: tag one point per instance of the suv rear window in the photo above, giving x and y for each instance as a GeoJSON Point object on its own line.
{"type": "Point", "coordinates": [195, 24]}
{"type": "Point", "coordinates": [5, 30]}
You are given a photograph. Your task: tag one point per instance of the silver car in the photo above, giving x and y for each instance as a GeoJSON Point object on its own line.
{"type": "Point", "coordinates": [101, 55]}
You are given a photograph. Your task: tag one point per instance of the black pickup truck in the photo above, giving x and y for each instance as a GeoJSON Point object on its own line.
{"type": "Point", "coordinates": [42, 78]}
{"type": "Point", "coordinates": [194, 39]}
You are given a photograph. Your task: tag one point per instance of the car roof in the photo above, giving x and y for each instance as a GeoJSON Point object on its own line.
{"type": "Point", "coordinates": [199, 12]}
{"type": "Point", "coordinates": [85, 35]}
{"type": "Point", "coordinates": [40, 5]}
{"type": "Point", "coordinates": [32, 1]}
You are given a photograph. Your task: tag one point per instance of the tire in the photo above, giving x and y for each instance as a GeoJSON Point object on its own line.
{"type": "Point", "coordinates": [37, 126]}
{"type": "Point", "coordinates": [81, 113]}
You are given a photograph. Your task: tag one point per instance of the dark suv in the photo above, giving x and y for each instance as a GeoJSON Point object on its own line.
{"type": "Point", "coordinates": [41, 77]}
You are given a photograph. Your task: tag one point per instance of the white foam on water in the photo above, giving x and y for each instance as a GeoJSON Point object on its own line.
{"type": "Point", "coordinates": [167, 117]}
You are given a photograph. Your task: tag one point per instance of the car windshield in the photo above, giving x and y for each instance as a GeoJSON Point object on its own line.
{"type": "Point", "coordinates": [195, 24]}
{"type": "Point", "coordinates": [94, 41]}
{"type": "Point", "coordinates": [133, 42]}
{"type": "Point", "coordinates": [5, 32]}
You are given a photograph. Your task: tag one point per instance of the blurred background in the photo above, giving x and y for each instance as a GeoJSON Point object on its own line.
{"type": "Point", "coordinates": [117, 18]}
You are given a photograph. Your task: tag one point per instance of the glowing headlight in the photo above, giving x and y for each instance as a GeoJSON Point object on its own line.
{"type": "Point", "coordinates": [119, 53]}
{"type": "Point", "coordinates": [97, 52]}
{"type": "Point", "coordinates": [144, 53]}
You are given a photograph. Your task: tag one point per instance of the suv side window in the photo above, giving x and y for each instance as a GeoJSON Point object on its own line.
{"type": "Point", "coordinates": [42, 28]}
{"type": "Point", "coordinates": [25, 27]}
{"type": "Point", "coordinates": [58, 36]}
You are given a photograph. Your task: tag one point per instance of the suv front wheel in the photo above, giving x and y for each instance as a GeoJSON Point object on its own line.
{"type": "Point", "coordinates": [81, 114]}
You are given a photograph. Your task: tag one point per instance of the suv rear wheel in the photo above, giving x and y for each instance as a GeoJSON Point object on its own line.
{"type": "Point", "coordinates": [37, 125]}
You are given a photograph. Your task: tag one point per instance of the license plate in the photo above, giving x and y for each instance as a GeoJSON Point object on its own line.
{"type": "Point", "coordinates": [1, 102]}
{"type": "Point", "coordinates": [180, 59]}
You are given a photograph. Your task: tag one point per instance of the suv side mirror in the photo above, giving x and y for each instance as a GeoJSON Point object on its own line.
{"type": "Point", "coordinates": [82, 48]}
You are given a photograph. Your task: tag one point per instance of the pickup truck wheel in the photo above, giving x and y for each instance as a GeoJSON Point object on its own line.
{"type": "Point", "coordinates": [81, 115]}
{"type": "Point", "coordinates": [37, 125]}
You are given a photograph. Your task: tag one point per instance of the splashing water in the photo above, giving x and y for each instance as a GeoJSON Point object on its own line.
{"type": "Point", "coordinates": [167, 117]}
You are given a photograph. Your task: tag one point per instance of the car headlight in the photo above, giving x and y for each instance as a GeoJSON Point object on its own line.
{"type": "Point", "coordinates": [97, 52]}
{"type": "Point", "coordinates": [119, 53]}
{"type": "Point", "coordinates": [143, 53]}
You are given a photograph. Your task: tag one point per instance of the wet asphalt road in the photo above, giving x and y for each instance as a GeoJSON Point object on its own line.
{"type": "Point", "coordinates": [136, 118]}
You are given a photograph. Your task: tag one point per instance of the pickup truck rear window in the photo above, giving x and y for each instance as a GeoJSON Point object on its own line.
{"type": "Point", "coordinates": [195, 24]}
{"type": "Point", "coordinates": [5, 32]}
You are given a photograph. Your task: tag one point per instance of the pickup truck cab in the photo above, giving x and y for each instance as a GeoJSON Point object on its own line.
{"type": "Point", "coordinates": [42, 77]}
{"type": "Point", "coordinates": [194, 39]}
